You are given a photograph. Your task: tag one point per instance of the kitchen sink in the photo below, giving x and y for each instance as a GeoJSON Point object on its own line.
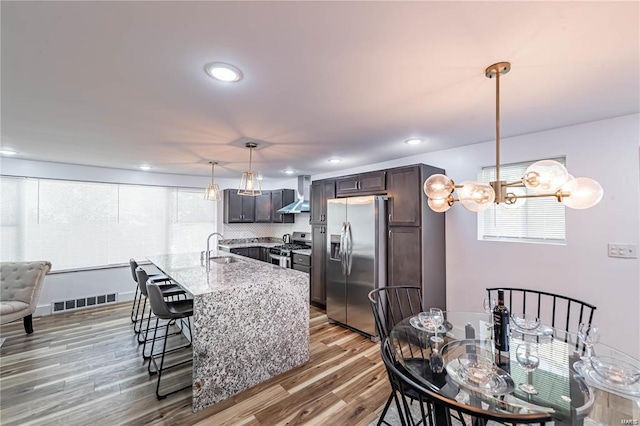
{"type": "Point", "coordinates": [225, 260]}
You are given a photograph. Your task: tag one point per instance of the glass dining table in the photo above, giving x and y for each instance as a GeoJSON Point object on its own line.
{"type": "Point", "coordinates": [567, 388]}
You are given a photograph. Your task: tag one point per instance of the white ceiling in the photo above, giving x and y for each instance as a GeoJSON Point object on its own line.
{"type": "Point", "coordinates": [121, 84]}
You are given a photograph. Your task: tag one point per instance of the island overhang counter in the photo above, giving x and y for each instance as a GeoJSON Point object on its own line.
{"type": "Point", "coordinates": [250, 321]}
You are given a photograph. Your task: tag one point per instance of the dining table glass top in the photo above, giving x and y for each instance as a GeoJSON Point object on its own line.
{"type": "Point", "coordinates": [563, 380]}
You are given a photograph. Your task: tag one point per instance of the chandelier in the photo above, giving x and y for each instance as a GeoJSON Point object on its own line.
{"type": "Point", "coordinates": [212, 193]}
{"type": "Point", "coordinates": [249, 183]}
{"type": "Point", "coordinates": [546, 178]}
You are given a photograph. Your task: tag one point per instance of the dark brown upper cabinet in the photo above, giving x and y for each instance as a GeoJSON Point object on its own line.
{"type": "Point", "coordinates": [364, 183]}
{"type": "Point", "coordinates": [260, 209]}
{"type": "Point", "coordinates": [404, 188]}
{"type": "Point", "coordinates": [279, 199]}
{"type": "Point", "coordinates": [263, 207]}
{"type": "Point", "coordinates": [238, 208]}
{"type": "Point", "coordinates": [321, 191]}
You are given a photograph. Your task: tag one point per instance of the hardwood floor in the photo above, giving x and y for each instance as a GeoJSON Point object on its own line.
{"type": "Point", "coordinates": [86, 367]}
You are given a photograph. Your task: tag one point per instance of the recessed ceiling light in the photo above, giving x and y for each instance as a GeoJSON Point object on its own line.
{"type": "Point", "coordinates": [334, 160]}
{"type": "Point", "coordinates": [223, 72]}
{"type": "Point", "coordinates": [7, 152]}
{"type": "Point", "coordinates": [289, 172]}
{"type": "Point", "coordinates": [413, 141]}
{"type": "Point", "coordinates": [145, 167]}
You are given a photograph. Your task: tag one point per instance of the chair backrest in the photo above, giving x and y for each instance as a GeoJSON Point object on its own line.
{"type": "Point", "coordinates": [405, 383]}
{"type": "Point", "coordinates": [133, 265]}
{"type": "Point", "coordinates": [142, 276]}
{"type": "Point", "coordinates": [158, 305]}
{"type": "Point", "coordinates": [22, 281]}
{"type": "Point", "coordinates": [390, 305]}
{"type": "Point", "coordinates": [556, 310]}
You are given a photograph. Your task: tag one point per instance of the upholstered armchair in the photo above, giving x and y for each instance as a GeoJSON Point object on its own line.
{"type": "Point", "coordinates": [20, 286]}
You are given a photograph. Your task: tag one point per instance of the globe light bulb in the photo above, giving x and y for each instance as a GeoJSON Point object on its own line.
{"type": "Point", "coordinates": [439, 205]}
{"type": "Point", "coordinates": [476, 196]}
{"type": "Point", "coordinates": [545, 176]}
{"type": "Point", "coordinates": [438, 186]}
{"type": "Point", "coordinates": [584, 193]}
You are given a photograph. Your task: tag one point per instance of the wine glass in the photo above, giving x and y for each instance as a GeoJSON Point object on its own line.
{"type": "Point", "coordinates": [589, 335]}
{"type": "Point", "coordinates": [528, 358]}
{"type": "Point", "coordinates": [488, 304]}
{"type": "Point", "coordinates": [438, 319]}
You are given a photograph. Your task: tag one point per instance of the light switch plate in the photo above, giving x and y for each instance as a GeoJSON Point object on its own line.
{"type": "Point", "coordinates": [624, 251]}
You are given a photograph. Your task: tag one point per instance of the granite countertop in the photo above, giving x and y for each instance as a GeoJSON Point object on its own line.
{"type": "Point", "coordinates": [306, 252]}
{"type": "Point", "coordinates": [186, 270]}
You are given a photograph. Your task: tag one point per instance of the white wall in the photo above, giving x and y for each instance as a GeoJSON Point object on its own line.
{"type": "Point", "coordinates": [606, 151]}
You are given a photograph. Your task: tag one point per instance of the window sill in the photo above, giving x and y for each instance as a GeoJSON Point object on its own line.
{"type": "Point", "coordinates": [95, 268]}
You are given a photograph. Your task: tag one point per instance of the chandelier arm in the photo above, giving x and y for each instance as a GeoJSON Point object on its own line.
{"type": "Point", "coordinates": [559, 194]}
{"type": "Point", "coordinates": [514, 184]}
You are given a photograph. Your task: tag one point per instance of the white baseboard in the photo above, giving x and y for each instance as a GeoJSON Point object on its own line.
{"type": "Point", "coordinates": [45, 309]}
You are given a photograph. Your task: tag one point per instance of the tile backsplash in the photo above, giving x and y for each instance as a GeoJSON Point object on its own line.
{"type": "Point", "coordinates": [255, 230]}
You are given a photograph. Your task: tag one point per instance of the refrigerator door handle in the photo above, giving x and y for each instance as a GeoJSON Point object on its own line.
{"type": "Point", "coordinates": [349, 248]}
{"type": "Point", "coordinates": [342, 252]}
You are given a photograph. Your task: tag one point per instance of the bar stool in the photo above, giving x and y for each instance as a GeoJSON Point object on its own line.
{"type": "Point", "coordinates": [136, 299]}
{"type": "Point", "coordinates": [167, 290]}
{"type": "Point", "coordinates": [170, 311]}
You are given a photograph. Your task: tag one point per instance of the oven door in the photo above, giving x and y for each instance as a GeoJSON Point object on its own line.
{"type": "Point", "coordinates": [280, 260]}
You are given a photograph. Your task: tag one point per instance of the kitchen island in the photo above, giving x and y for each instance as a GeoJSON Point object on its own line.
{"type": "Point", "coordinates": [251, 321]}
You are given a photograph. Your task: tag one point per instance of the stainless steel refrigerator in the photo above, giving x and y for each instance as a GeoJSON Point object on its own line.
{"type": "Point", "coordinates": [356, 259]}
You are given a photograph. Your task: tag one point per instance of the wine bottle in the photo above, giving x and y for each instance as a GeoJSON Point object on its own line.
{"type": "Point", "coordinates": [501, 324]}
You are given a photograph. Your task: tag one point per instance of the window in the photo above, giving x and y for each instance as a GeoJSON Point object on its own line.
{"type": "Point", "coordinates": [87, 224]}
{"type": "Point", "coordinates": [538, 220]}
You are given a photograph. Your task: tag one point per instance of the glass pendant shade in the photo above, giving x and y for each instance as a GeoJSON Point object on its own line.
{"type": "Point", "coordinates": [439, 205]}
{"type": "Point", "coordinates": [250, 185]}
{"type": "Point", "coordinates": [545, 176]}
{"type": "Point", "coordinates": [438, 186]}
{"type": "Point", "coordinates": [212, 193]}
{"type": "Point", "coordinates": [476, 196]}
{"type": "Point", "coordinates": [250, 182]}
{"type": "Point", "coordinates": [584, 193]}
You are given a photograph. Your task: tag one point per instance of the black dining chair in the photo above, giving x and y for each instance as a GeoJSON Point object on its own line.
{"type": "Point", "coordinates": [558, 311]}
{"type": "Point", "coordinates": [390, 306]}
{"type": "Point", "coordinates": [133, 265]}
{"type": "Point", "coordinates": [167, 290]}
{"type": "Point", "coordinates": [406, 384]}
{"type": "Point", "coordinates": [171, 311]}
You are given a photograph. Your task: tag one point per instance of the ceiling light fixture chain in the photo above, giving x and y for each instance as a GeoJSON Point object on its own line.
{"type": "Point", "coordinates": [250, 181]}
{"type": "Point", "coordinates": [546, 178]}
{"type": "Point", "coordinates": [212, 193]}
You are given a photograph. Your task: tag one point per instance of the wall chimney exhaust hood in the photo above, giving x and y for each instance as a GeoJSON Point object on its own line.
{"type": "Point", "coordinates": [301, 205]}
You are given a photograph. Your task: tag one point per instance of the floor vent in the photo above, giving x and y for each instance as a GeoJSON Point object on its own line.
{"type": "Point", "coordinates": [85, 302]}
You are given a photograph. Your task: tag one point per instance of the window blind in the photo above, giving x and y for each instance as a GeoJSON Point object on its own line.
{"type": "Point", "coordinates": [538, 220]}
{"type": "Point", "coordinates": [86, 224]}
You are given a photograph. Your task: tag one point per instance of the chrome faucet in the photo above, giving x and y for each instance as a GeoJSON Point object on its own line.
{"type": "Point", "coordinates": [204, 256]}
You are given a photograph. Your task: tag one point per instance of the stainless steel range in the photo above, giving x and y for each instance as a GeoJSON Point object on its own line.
{"type": "Point", "coordinates": [281, 255]}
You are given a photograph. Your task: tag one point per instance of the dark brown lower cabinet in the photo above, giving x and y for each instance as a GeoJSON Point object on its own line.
{"type": "Point", "coordinates": [404, 266]}
{"type": "Point", "coordinates": [241, 251]}
{"type": "Point", "coordinates": [318, 255]}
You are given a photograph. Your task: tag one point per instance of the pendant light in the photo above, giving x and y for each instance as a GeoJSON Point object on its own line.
{"type": "Point", "coordinates": [249, 183]}
{"type": "Point", "coordinates": [212, 193]}
{"type": "Point", "coordinates": [546, 178]}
